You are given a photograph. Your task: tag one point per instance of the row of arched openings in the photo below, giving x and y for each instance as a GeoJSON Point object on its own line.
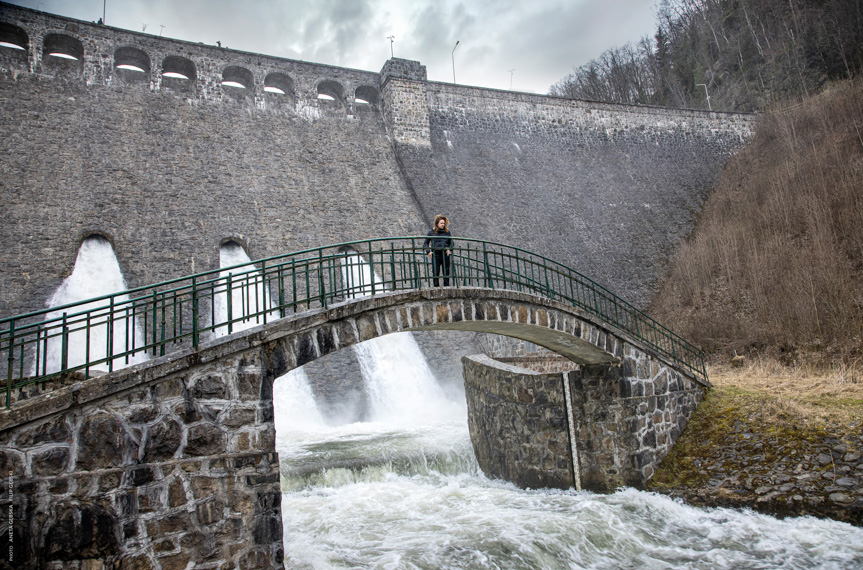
{"type": "Point", "coordinates": [133, 64]}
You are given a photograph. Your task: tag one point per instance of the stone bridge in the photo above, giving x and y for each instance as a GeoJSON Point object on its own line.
{"type": "Point", "coordinates": [174, 460]}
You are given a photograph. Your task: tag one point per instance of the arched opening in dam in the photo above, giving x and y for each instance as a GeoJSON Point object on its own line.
{"type": "Point", "coordinates": [95, 336]}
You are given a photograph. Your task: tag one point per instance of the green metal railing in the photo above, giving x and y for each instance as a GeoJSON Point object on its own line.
{"type": "Point", "coordinates": [117, 330]}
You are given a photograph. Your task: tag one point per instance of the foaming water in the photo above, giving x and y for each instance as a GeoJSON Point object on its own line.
{"type": "Point", "coordinates": [404, 492]}
{"type": "Point", "coordinates": [247, 292]}
{"type": "Point", "coordinates": [96, 273]}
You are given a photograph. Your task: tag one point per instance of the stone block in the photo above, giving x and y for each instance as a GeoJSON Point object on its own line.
{"type": "Point", "coordinates": [239, 417]}
{"type": "Point", "coordinates": [162, 441]}
{"type": "Point", "coordinates": [175, 522]}
{"type": "Point", "coordinates": [204, 439]}
{"type": "Point", "coordinates": [366, 328]}
{"type": "Point", "coordinates": [102, 443]}
{"type": "Point", "coordinates": [208, 387]}
{"type": "Point", "coordinates": [210, 512]}
{"type": "Point", "coordinates": [142, 414]}
{"type": "Point", "coordinates": [207, 487]}
{"type": "Point", "coordinates": [176, 493]}
{"type": "Point", "coordinates": [50, 462]}
{"type": "Point", "coordinates": [178, 561]}
{"type": "Point", "coordinates": [54, 430]}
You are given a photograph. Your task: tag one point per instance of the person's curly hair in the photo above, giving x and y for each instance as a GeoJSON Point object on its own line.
{"type": "Point", "coordinates": [438, 218]}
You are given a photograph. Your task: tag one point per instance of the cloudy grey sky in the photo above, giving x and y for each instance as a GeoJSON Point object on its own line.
{"type": "Point", "coordinates": [542, 40]}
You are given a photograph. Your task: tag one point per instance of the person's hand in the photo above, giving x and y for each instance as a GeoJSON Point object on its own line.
{"type": "Point", "coordinates": [429, 254]}
{"type": "Point", "coordinates": [448, 252]}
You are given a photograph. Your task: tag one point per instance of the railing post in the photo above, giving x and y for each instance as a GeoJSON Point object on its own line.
{"type": "Point", "coordinates": [64, 346]}
{"type": "Point", "coordinates": [321, 288]}
{"type": "Point", "coordinates": [488, 282]}
{"type": "Point", "coordinates": [11, 363]}
{"type": "Point", "coordinates": [281, 283]}
{"type": "Point", "coordinates": [393, 264]}
{"type": "Point", "coordinates": [229, 302]}
{"type": "Point", "coordinates": [372, 267]}
{"type": "Point", "coordinates": [155, 310]}
{"type": "Point", "coordinates": [264, 289]}
{"type": "Point", "coordinates": [109, 349]}
{"type": "Point", "coordinates": [194, 311]}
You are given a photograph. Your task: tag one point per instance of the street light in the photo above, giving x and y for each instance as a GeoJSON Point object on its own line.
{"type": "Point", "coordinates": [453, 61]}
{"type": "Point", "coordinates": [391, 39]}
{"type": "Point", "coordinates": [706, 93]}
{"type": "Point", "coordinates": [511, 71]}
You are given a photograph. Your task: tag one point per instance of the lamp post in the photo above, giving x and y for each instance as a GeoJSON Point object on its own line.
{"type": "Point", "coordinates": [453, 60]}
{"type": "Point", "coordinates": [706, 93]}
{"type": "Point", "coordinates": [511, 71]}
{"type": "Point", "coordinates": [391, 39]}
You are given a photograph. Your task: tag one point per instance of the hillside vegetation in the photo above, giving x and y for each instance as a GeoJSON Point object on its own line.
{"type": "Point", "coordinates": [776, 259]}
{"type": "Point", "coordinates": [748, 54]}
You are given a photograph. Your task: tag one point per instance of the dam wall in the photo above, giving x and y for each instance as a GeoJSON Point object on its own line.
{"type": "Point", "coordinates": [170, 148]}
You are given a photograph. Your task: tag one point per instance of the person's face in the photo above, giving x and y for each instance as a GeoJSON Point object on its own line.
{"type": "Point", "coordinates": [441, 223]}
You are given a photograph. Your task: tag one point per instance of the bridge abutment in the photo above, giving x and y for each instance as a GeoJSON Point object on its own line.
{"type": "Point", "coordinates": [625, 418]}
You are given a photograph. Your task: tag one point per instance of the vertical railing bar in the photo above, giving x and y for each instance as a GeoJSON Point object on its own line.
{"type": "Point", "coordinates": [11, 363]}
{"type": "Point", "coordinates": [109, 350]}
{"type": "Point", "coordinates": [194, 312]}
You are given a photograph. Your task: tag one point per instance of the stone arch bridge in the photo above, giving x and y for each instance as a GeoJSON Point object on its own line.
{"type": "Point", "coordinates": [173, 459]}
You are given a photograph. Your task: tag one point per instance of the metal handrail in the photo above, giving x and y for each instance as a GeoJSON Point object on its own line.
{"type": "Point", "coordinates": [116, 330]}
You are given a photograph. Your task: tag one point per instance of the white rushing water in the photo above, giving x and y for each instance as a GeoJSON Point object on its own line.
{"type": "Point", "coordinates": [404, 491]}
{"type": "Point", "coordinates": [358, 276]}
{"type": "Point", "coordinates": [96, 273]}
{"type": "Point", "coordinates": [247, 292]}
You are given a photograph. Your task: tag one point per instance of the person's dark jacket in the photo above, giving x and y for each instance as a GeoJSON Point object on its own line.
{"type": "Point", "coordinates": [437, 240]}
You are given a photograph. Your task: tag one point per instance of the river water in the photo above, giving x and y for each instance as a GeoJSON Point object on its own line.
{"type": "Point", "coordinates": [405, 491]}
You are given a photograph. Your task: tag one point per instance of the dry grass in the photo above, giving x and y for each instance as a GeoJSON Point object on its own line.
{"type": "Point", "coordinates": [805, 394]}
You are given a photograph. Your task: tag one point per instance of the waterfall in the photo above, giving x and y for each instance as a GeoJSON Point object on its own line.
{"type": "Point", "coordinates": [248, 292]}
{"type": "Point", "coordinates": [96, 273]}
{"type": "Point", "coordinates": [294, 403]}
{"type": "Point", "coordinates": [402, 388]}
{"type": "Point", "coordinates": [358, 276]}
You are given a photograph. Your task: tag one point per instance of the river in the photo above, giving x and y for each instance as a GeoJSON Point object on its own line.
{"type": "Point", "coordinates": [405, 491]}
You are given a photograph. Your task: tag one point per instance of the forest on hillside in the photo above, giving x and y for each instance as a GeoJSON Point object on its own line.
{"type": "Point", "coordinates": [775, 264]}
{"type": "Point", "coordinates": [746, 54]}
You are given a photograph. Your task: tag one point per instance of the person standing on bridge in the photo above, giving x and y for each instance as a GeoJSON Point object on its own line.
{"type": "Point", "coordinates": [438, 246]}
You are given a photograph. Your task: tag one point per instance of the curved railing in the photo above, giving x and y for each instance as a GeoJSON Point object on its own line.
{"type": "Point", "coordinates": [110, 332]}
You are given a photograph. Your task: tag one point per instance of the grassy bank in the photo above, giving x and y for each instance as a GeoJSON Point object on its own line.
{"type": "Point", "coordinates": [784, 440]}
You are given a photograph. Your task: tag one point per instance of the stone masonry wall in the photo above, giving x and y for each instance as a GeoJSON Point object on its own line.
{"type": "Point", "coordinates": [610, 190]}
{"type": "Point", "coordinates": [626, 419]}
{"type": "Point", "coordinates": [168, 169]}
{"type": "Point", "coordinates": [177, 471]}
{"type": "Point", "coordinates": [168, 173]}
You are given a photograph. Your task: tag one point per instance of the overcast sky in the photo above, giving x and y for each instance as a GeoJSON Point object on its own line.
{"type": "Point", "coordinates": [542, 40]}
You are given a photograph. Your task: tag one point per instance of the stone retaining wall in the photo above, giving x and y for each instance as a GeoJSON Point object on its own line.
{"type": "Point", "coordinates": [626, 419]}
